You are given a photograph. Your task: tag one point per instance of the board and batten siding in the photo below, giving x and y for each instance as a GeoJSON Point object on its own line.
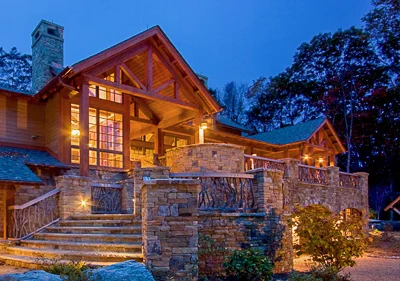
{"type": "Point", "coordinates": [21, 122]}
{"type": "Point", "coordinates": [53, 124]}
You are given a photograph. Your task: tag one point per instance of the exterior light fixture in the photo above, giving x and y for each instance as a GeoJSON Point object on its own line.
{"type": "Point", "coordinates": [83, 203]}
{"type": "Point", "coordinates": [306, 157]}
{"type": "Point", "coordinates": [320, 160]}
{"type": "Point", "coordinates": [75, 133]}
{"type": "Point", "coordinates": [203, 125]}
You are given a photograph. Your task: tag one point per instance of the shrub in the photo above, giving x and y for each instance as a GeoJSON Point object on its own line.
{"type": "Point", "coordinates": [210, 258]}
{"type": "Point", "coordinates": [330, 241]}
{"type": "Point", "coordinates": [70, 271]}
{"type": "Point", "coordinates": [249, 265]}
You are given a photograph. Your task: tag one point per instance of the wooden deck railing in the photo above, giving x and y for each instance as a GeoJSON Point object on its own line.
{"type": "Point", "coordinates": [225, 192]}
{"type": "Point", "coordinates": [254, 162]}
{"type": "Point", "coordinates": [26, 219]}
{"type": "Point", "coordinates": [309, 174]}
{"type": "Point", "coordinates": [348, 180]}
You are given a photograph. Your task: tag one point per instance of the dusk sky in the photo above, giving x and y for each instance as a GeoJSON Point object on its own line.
{"type": "Point", "coordinates": [224, 40]}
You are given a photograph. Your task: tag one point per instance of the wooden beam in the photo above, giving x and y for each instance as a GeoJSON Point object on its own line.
{"type": "Point", "coordinates": [126, 131]}
{"type": "Point", "coordinates": [84, 130]}
{"type": "Point", "coordinates": [176, 90]}
{"type": "Point", "coordinates": [142, 120]}
{"type": "Point", "coordinates": [136, 134]}
{"type": "Point", "coordinates": [163, 86]}
{"type": "Point", "coordinates": [141, 93]}
{"type": "Point", "coordinates": [157, 141]}
{"type": "Point", "coordinates": [139, 103]}
{"type": "Point", "coordinates": [118, 74]}
{"type": "Point", "coordinates": [139, 143]}
{"type": "Point", "coordinates": [112, 62]}
{"type": "Point", "coordinates": [178, 119]}
{"type": "Point", "coordinates": [150, 68]}
{"type": "Point", "coordinates": [132, 76]}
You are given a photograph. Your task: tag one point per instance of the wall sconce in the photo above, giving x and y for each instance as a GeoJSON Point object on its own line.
{"type": "Point", "coordinates": [306, 157]}
{"type": "Point", "coordinates": [75, 133]}
{"type": "Point", "coordinates": [203, 125]}
{"type": "Point", "coordinates": [83, 203]}
{"type": "Point", "coordinates": [320, 160]}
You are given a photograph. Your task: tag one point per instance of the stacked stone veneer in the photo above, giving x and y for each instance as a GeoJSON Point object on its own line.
{"type": "Point", "coordinates": [208, 157]}
{"type": "Point", "coordinates": [170, 228]}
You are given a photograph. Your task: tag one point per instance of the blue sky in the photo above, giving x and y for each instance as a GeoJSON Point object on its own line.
{"type": "Point", "coordinates": [226, 40]}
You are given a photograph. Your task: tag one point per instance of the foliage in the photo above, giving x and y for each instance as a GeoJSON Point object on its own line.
{"type": "Point", "coordinates": [330, 241]}
{"type": "Point", "coordinates": [319, 274]}
{"type": "Point", "coordinates": [70, 271]}
{"type": "Point", "coordinates": [372, 214]}
{"type": "Point", "coordinates": [210, 257]}
{"type": "Point", "coordinates": [15, 70]}
{"type": "Point", "coordinates": [232, 99]}
{"type": "Point", "coordinates": [249, 264]}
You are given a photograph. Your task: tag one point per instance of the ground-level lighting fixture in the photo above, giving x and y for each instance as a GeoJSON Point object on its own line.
{"type": "Point", "coordinates": [203, 125]}
{"type": "Point", "coordinates": [75, 133]}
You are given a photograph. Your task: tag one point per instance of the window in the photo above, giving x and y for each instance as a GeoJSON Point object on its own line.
{"type": "Point", "coordinates": [105, 93]}
{"type": "Point", "coordinates": [174, 141]}
{"type": "Point", "coordinates": [105, 137]}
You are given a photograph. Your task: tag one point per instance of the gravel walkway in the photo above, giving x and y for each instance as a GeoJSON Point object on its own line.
{"type": "Point", "coordinates": [367, 269]}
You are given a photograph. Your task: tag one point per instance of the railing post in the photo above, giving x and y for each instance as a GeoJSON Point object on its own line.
{"type": "Point", "coordinates": [291, 169]}
{"type": "Point", "coordinates": [333, 176]}
{"type": "Point", "coordinates": [363, 186]}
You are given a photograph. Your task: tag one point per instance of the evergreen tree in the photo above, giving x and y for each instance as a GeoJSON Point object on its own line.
{"type": "Point", "coordinates": [15, 70]}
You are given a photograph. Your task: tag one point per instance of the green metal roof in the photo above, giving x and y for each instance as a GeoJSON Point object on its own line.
{"type": "Point", "coordinates": [290, 134]}
{"type": "Point", "coordinates": [228, 122]}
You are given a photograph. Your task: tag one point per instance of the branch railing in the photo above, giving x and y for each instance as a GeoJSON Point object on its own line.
{"type": "Point", "coordinates": [106, 199]}
{"type": "Point", "coordinates": [253, 162]}
{"type": "Point", "coordinates": [224, 192]}
{"type": "Point", "coordinates": [348, 180]}
{"type": "Point", "coordinates": [24, 220]}
{"type": "Point", "coordinates": [309, 174]}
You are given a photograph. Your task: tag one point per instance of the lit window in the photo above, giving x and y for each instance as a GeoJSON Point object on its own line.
{"type": "Point", "coordinates": [105, 137]}
{"type": "Point", "coordinates": [105, 93]}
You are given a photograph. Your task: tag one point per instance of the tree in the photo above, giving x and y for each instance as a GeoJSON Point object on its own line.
{"type": "Point", "coordinates": [15, 70]}
{"type": "Point", "coordinates": [383, 23]}
{"type": "Point", "coordinates": [342, 69]}
{"type": "Point", "coordinates": [330, 241]}
{"type": "Point", "coordinates": [232, 99]}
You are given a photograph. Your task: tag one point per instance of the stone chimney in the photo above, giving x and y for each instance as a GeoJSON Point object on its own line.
{"type": "Point", "coordinates": [47, 53]}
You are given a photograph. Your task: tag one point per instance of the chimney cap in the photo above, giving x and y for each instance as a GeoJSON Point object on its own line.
{"type": "Point", "coordinates": [47, 23]}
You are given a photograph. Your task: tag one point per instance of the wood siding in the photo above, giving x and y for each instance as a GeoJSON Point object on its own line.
{"type": "Point", "coordinates": [20, 120]}
{"type": "Point", "coordinates": [53, 126]}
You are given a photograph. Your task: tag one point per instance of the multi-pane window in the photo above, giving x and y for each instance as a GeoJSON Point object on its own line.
{"type": "Point", "coordinates": [105, 93]}
{"type": "Point", "coordinates": [105, 137]}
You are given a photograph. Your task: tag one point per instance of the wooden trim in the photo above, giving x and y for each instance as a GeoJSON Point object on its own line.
{"type": "Point", "coordinates": [132, 76]}
{"type": "Point", "coordinates": [126, 131]}
{"type": "Point", "coordinates": [150, 68]}
{"type": "Point", "coordinates": [140, 93]}
{"type": "Point", "coordinates": [84, 130]}
{"type": "Point", "coordinates": [36, 200]}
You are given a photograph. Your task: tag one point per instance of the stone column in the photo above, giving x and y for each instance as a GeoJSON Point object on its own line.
{"type": "Point", "coordinates": [333, 175]}
{"type": "Point", "coordinates": [170, 228]}
{"type": "Point", "coordinates": [271, 197]}
{"type": "Point", "coordinates": [75, 195]}
{"type": "Point", "coordinates": [138, 175]}
{"type": "Point", "coordinates": [363, 185]}
{"type": "Point", "coordinates": [127, 196]}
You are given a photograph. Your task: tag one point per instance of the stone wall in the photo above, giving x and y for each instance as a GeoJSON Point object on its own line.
{"type": "Point", "coordinates": [208, 157]}
{"type": "Point", "coordinates": [74, 191]}
{"type": "Point", "coordinates": [170, 228]}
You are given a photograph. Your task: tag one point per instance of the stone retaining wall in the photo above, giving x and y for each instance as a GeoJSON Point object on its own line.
{"type": "Point", "coordinates": [208, 157]}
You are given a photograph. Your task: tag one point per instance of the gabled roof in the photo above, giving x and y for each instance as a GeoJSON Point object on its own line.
{"type": "Point", "coordinates": [154, 32]}
{"type": "Point", "coordinates": [291, 134]}
{"type": "Point", "coordinates": [14, 164]}
{"type": "Point", "coordinates": [391, 205]}
{"type": "Point", "coordinates": [229, 123]}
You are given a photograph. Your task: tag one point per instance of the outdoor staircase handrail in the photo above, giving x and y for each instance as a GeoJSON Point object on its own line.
{"type": "Point", "coordinates": [34, 201]}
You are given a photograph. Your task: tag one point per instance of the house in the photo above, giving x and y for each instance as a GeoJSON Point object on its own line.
{"type": "Point", "coordinates": [81, 156]}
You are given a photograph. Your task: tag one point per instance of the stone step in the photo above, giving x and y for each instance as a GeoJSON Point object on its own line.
{"type": "Point", "coordinates": [106, 223]}
{"type": "Point", "coordinates": [84, 246]}
{"type": "Point", "coordinates": [94, 229]}
{"type": "Point", "coordinates": [35, 263]}
{"type": "Point", "coordinates": [74, 255]}
{"type": "Point", "coordinates": [104, 217]}
{"type": "Point", "coordinates": [76, 237]}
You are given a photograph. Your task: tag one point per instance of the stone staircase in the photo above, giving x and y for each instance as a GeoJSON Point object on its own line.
{"type": "Point", "coordinates": [98, 240]}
